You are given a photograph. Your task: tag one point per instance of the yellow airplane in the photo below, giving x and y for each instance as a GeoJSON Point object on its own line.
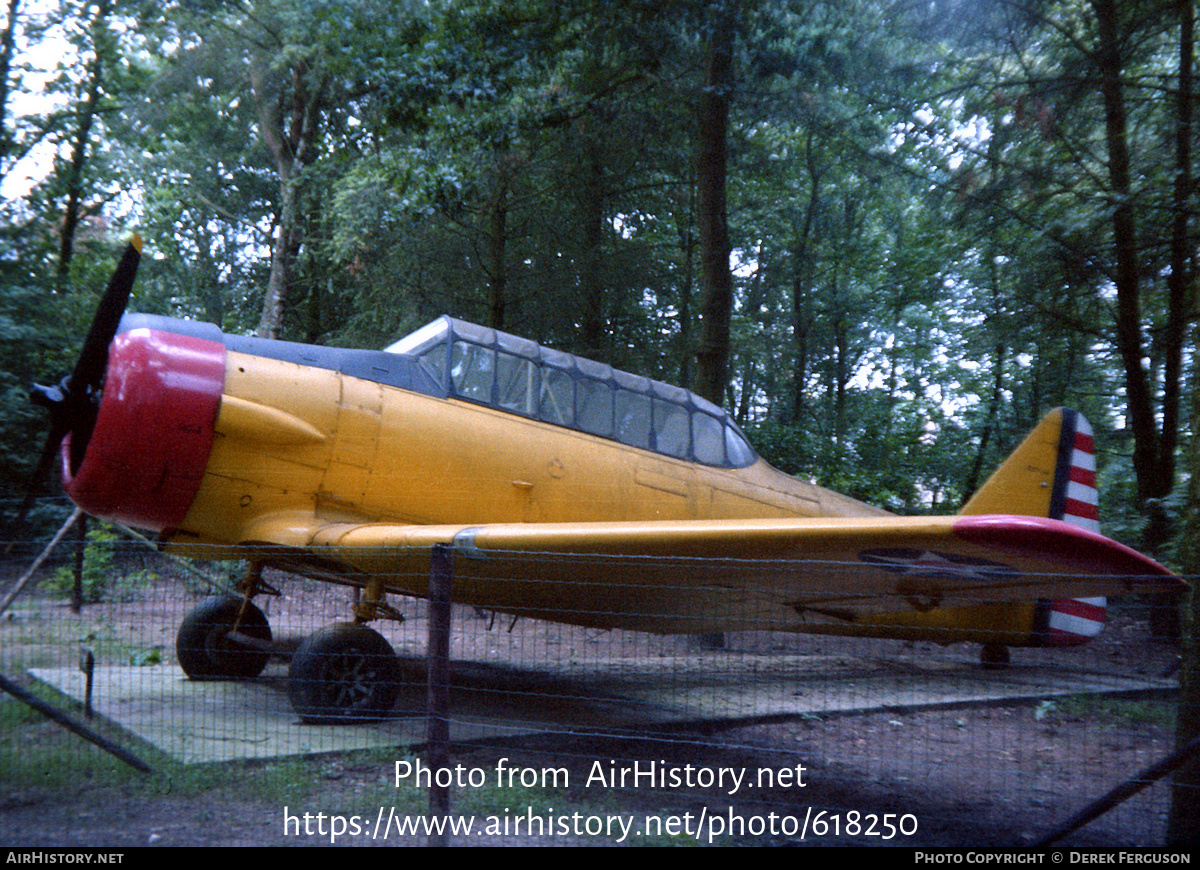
{"type": "Point", "coordinates": [565, 490]}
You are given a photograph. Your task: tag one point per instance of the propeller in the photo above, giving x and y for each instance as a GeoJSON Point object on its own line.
{"type": "Point", "coordinates": [74, 402]}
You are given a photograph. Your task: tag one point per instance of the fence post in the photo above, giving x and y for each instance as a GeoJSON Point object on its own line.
{"type": "Point", "coordinates": [441, 576]}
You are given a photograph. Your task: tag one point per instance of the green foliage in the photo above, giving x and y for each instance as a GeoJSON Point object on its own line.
{"type": "Point", "coordinates": [1112, 713]}
{"type": "Point", "coordinates": [146, 658]}
{"type": "Point", "coordinates": [917, 207]}
{"type": "Point", "coordinates": [34, 348]}
{"type": "Point", "coordinates": [102, 578]}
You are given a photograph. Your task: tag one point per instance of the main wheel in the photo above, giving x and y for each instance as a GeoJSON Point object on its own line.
{"type": "Point", "coordinates": [344, 673]}
{"type": "Point", "coordinates": [205, 650]}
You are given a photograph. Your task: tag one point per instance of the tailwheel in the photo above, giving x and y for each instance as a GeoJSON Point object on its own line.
{"type": "Point", "coordinates": [344, 673]}
{"type": "Point", "coordinates": [994, 656]}
{"type": "Point", "coordinates": [219, 640]}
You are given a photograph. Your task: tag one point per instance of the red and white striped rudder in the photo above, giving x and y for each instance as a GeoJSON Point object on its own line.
{"type": "Point", "coordinates": [1075, 500]}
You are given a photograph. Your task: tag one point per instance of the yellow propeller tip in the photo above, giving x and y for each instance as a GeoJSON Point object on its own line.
{"type": "Point", "coordinates": [136, 241]}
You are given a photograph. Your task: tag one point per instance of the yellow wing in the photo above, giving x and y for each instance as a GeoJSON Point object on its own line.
{"type": "Point", "coordinates": [700, 576]}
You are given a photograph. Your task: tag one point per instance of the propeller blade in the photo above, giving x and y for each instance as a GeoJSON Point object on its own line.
{"type": "Point", "coordinates": [89, 368]}
{"type": "Point", "coordinates": [48, 458]}
{"type": "Point", "coordinates": [72, 403]}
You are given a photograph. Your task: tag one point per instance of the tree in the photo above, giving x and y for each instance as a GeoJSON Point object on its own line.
{"type": "Point", "coordinates": [289, 98]}
{"type": "Point", "coordinates": [1184, 821]}
{"type": "Point", "coordinates": [716, 282]}
{"type": "Point", "coordinates": [1077, 74]}
{"type": "Point", "coordinates": [7, 46]}
{"type": "Point", "coordinates": [912, 224]}
{"type": "Point", "coordinates": [81, 98]}
{"type": "Point", "coordinates": [87, 109]}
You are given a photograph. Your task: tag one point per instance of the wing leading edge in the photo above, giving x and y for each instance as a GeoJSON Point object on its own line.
{"type": "Point", "coordinates": [777, 574]}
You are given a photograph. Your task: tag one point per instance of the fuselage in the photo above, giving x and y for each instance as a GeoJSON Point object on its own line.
{"type": "Point", "coordinates": [213, 433]}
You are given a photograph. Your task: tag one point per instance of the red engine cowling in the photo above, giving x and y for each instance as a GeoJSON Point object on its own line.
{"type": "Point", "coordinates": [147, 453]}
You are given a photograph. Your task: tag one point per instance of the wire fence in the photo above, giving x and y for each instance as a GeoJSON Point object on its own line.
{"type": "Point", "coordinates": [559, 731]}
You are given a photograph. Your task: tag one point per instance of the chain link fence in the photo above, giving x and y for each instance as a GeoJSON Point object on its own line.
{"type": "Point", "coordinates": [554, 733]}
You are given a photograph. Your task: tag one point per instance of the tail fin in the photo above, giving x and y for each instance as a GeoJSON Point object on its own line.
{"type": "Point", "coordinates": [1052, 474]}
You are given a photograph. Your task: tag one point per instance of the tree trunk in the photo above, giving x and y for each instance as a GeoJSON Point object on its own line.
{"type": "Point", "coordinates": [802, 285]}
{"type": "Point", "coordinates": [841, 368]}
{"type": "Point", "coordinates": [288, 121]}
{"type": "Point", "coordinates": [497, 239]}
{"type": "Point", "coordinates": [7, 46]}
{"type": "Point", "coordinates": [999, 352]}
{"type": "Point", "coordinates": [285, 242]}
{"type": "Point", "coordinates": [591, 283]}
{"type": "Point", "coordinates": [989, 422]}
{"type": "Point", "coordinates": [1184, 821]}
{"type": "Point", "coordinates": [755, 301]}
{"type": "Point", "coordinates": [81, 141]}
{"type": "Point", "coordinates": [1182, 267]}
{"type": "Point", "coordinates": [687, 246]}
{"type": "Point", "coordinates": [1154, 471]}
{"type": "Point", "coordinates": [716, 292]}
{"type": "Point", "coordinates": [1153, 452]}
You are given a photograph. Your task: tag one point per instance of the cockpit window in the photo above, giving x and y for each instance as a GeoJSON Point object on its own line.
{"type": "Point", "coordinates": [594, 406]}
{"type": "Point", "coordinates": [671, 430]}
{"type": "Point", "coordinates": [634, 419]}
{"type": "Point", "coordinates": [473, 372]}
{"type": "Point", "coordinates": [708, 439]}
{"type": "Point", "coordinates": [517, 384]}
{"type": "Point", "coordinates": [429, 345]}
{"type": "Point", "coordinates": [518, 376]}
{"type": "Point", "coordinates": [558, 397]}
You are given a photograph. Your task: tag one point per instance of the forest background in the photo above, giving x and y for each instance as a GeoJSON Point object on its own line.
{"type": "Point", "coordinates": [887, 235]}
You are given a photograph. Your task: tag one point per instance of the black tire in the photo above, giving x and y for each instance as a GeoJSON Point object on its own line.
{"type": "Point", "coordinates": [994, 656]}
{"type": "Point", "coordinates": [206, 653]}
{"type": "Point", "coordinates": [344, 673]}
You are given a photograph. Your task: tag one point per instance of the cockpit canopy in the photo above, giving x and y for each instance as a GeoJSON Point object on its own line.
{"type": "Point", "coordinates": [492, 368]}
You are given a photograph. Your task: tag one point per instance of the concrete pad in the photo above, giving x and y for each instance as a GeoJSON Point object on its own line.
{"type": "Point", "coordinates": [200, 722]}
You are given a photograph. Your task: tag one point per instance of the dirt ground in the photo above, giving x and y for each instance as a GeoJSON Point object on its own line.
{"type": "Point", "coordinates": [980, 775]}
